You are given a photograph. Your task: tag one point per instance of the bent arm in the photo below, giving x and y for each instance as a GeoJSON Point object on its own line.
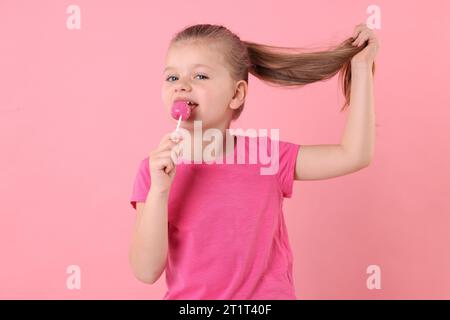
{"type": "Point", "coordinates": [315, 162]}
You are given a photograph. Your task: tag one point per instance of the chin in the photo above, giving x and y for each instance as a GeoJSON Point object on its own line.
{"type": "Point", "coordinates": [187, 124]}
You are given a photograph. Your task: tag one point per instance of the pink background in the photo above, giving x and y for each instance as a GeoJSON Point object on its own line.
{"type": "Point", "coordinates": [79, 109]}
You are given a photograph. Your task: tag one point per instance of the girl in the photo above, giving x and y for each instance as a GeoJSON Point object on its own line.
{"type": "Point", "coordinates": [218, 229]}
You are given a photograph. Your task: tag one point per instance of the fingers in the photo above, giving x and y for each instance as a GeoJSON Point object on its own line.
{"type": "Point", "coordinates": [171, 136]}
{"type": "Point", "coordinates": [172, 154]}
{"type": "Point", "coordinates": [163, 163]}
{"type": "Point", "coordinates": [360, 34]}
{"type": "Point", "coordinates": [166, 154]}
{"type": "Point", "coordinates": [169, 146]}
{"type": "Point", "coordinates": [175, 136]}
{"type": "Point", "coordinates": [356, 32]}
{"type": "Point", "coordinates": [168, 143]}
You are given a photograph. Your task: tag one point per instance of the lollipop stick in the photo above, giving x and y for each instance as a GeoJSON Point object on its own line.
{"type": "Point", "coordinates": [178, 125]}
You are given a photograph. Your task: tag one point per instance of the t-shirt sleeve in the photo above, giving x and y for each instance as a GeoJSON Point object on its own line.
{"type": "Point", "coordinates": [141, 183]}
{"type": "Point", "coordinates": [286, 172]}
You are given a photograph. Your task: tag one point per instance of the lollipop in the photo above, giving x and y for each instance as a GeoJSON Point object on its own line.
{"type": "Point", "coordinates": [180, 111]}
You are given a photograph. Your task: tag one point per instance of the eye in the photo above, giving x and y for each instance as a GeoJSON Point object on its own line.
{"type": "Point", "coordinates": [201, 75]}
{"type": "Point", "coordinates": [205, 77]}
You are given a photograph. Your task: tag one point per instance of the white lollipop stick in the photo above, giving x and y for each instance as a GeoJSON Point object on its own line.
{"type": "Point", "coordinates": [178, 125]}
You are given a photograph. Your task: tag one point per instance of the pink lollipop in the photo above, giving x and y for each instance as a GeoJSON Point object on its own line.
{"type": "Point", "coordinates": [180, 111]}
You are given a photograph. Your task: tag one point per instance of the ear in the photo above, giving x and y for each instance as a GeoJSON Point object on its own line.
{"type": "Point", "coordinates": [240, 92]}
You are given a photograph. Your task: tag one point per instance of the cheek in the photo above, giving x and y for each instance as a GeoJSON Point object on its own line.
{"type": "Point", "coordinates": [220, 102]}
{"type": "Point", "coordinates": [215, 96]}
{"type": "Point", "coordinates": [214, 110]}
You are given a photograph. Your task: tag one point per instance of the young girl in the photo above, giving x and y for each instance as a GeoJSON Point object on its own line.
{"type": "Point", "coordinates": [217, 229]}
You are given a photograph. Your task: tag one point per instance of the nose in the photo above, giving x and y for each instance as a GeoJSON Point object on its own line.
{"type": "Point", "coordinates": [182, 85]}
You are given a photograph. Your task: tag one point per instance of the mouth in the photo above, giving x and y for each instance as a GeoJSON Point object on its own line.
{"type": "Point", "coordinates": [190, 103]}
{"type": "Point", "coordinates": [193, 105]}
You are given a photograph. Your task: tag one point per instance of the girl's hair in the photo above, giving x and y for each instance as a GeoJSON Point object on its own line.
{"type": "Point", "coordinates": [281, 66]}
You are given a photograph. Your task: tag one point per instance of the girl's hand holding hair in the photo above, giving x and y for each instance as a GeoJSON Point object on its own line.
{"type": "Point", "coordinates": [362, 35]}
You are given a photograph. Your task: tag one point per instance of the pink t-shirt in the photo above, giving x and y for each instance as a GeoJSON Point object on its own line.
{"type": "Point", "coordinates": [227, 234]}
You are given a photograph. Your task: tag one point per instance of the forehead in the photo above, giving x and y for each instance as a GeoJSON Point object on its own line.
{"type": "Point", "coordinates": [189, 54]}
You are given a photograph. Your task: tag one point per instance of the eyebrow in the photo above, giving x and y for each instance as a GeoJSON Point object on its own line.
{"type": "Point", "coordinates": [194, 66]}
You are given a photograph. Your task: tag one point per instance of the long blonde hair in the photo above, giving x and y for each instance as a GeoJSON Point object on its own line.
{"type": "Point", "coordinates": [282, 66]}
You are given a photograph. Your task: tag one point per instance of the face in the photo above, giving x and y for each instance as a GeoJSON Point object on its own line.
{"type": "Point", "coordinates": [198, 72]}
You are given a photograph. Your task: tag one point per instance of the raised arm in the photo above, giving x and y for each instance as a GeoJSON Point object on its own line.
{"type": "Point", "coordinates": [315, 162]}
